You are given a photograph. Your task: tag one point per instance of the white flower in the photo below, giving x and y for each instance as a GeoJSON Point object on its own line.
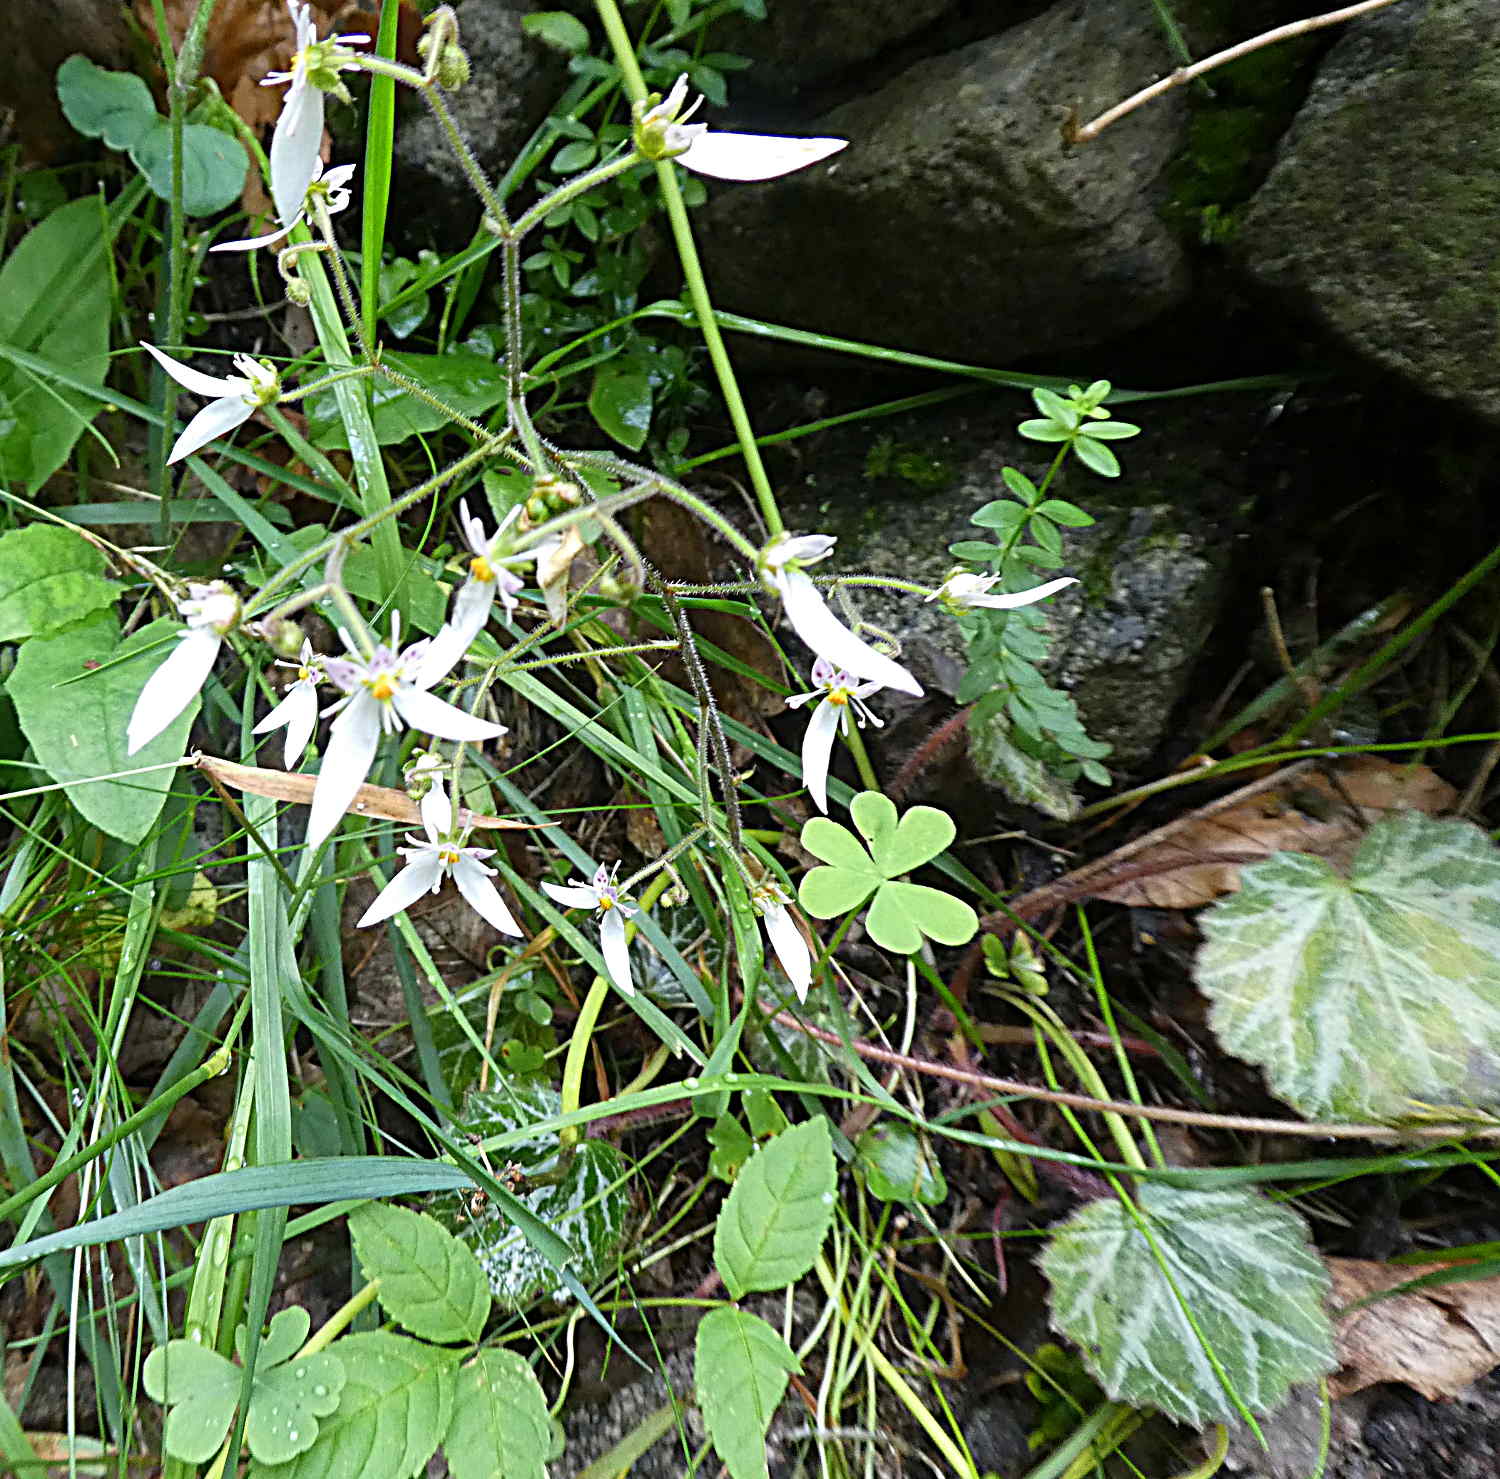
{"type": "Point", "coordinates": [814, 621]}
{"type": "Point", "coordinates": [333, 185]}
{"type": "Point", "coordinates": [842, 699]}
{"type": "Point", "coordinates": [664, 132]}
{"type": "Point", "coordinates": [210, 611]}
{"type": "Point", "coordinates": [233, 399]}
{"type": "Point", "coordinates": [603, 894]}
{"type": "Point", "coordinates": [299, 130]}
{"type": "Point", "coordinates": [489, 575]}
{"type": "Point", "coordinates": [429, 861]}
{"type": "Point", "coordinates": [297, 712]}
{"type": "Point", "coordinates": [964, 590]}
{"type": "Point", "coordinates": [385, 694]}
{"type": "Point", "coordinates": [786, 939]}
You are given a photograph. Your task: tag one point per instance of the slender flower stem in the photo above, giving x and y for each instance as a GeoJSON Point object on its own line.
{"type": "Point", "coordinates": [339, 1321]}
{"type": "Point", "coordinates": [856, 743]}
{"type": "Point", "coordinates": [493, 206]}
{"type": "Point", "coordinates": [692, 271]}
{"type": "Point", "coordinates": [578, 1048]}
{"type": "Point", "coordinates": [569, 190]}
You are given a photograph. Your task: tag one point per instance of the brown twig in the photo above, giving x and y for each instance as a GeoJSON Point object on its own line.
{"type": "Point", "coordinates": [1091, 131]}
{"type": "Point", "coordinates": [1248, 1124]}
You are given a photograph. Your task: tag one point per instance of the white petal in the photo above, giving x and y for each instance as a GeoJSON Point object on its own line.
{"type": "Point", "coordinates": [346, 762]}
{"type": "Point", "coordinates": [298, 711]}
{"type": "Point", "coordinates": [573, 895]}
{"type": "Point", "coordinates": [424, 712]}
{"type": "Point", "coordinates": [1022, 598]}
{"type": "Point", "coordinates": [474, 884]}
{"type": "Point", "coordinates": [171, 688]}
{"type": "Point", "coordinates": [816, 624]}
{"type": "Point", "coordinates": [216, 418]}
{"type": "Point", "coordinates": [250, 243]}
{"type": "Point", "coordinates": [422, 875]}
{"type": "Point", "coordinates": [195, 380]}
{"type": "Point", "coordinates": [437, 812]}
{"type": "Point", "coordinates": [294, 149]}
{"type": "Point", "coordinates": [732, 156]}
{"type": "Point", "coordinates": [808, 547]}
{"type": "Point", "coordinates": [791, 949]}
{"type": "Point", "coordinates": [471, 610]}
{"type": "Point", "coordinates": [615, 951]}
{"type": "Point", "coordinates": [817, 751]}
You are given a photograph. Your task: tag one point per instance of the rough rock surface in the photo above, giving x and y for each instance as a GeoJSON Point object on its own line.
{"type": "Point", "coordinates": [1151, 570]}
{"type": "Point", "coordinates": [1378, 217]}
{"type": "Point", "coordinates": [958, 222]}
{"type": "Point", "coordinates": [514, 81]}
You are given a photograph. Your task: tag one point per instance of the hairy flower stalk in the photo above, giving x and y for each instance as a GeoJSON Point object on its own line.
{"type": "Point", "coordinates": [210, 611]}
{"type": "Point", "coordinates": [385, 693]}
{"type": "Point", "coordinates": [603, 895]}
{"type": "Point", "coordinates": [663, 132]}
{"type": "Point", "coordinates": [233, 399]}
{"type": "Point", "coordinates": [813, 620]}
{"type": "Point", "coordinates": [842, 703]}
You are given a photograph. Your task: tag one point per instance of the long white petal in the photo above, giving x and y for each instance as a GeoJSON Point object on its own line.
{"type": "Point", "coordinates": [791, 949]}
{"type": "Point", "coordinates": [815, 623]}
{"type": "Point", "coordinates": [1022, 598]}
{"type": "Point", "coordinates": [732, 156]}
{"type": "Point", "coordinates": [474, 884]}
{"type": "Point", "coordinates": [294, 149]}
{"type": "Point", "coordinates": [298, 713]}
{"type": "Point", "coordinates": [172, 687]}
{"type": "Point", "coordinates": [471, 610]}
{"type": "Point", "coordinates": [420, 876]}
{"type": "Point", "coordinates": [430, 715]}
{"type": "Point", "coordinates": [216, 418]}
{"type": "Point", "coordinates": [195, 380]}
{"type": "Point", "coordinates": [573, 895]}
{"type": "Point", "coordinates": [250, 243]}
{"type": "Point", "coordinates": [437, 812]}
{"type": "Point", "coordinates": [352, 742]}
{"type": "Point", "coordinates": [817, 751]}
{"type": "Point", "coordinates": [615, 951]}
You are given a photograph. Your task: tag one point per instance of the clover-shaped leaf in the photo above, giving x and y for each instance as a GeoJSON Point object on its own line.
{"type": "Point", "coordinates": [902, 913]}
{"type": "Point", "coordinates": [287, 1396]}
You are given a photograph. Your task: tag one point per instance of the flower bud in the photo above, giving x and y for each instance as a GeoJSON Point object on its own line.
{"type": "Point", "coordinates": [284, 637]}
{"type": "Point", "coordinates": [298, 292]}
{"type": "Point", "coordinates": [451, 69]}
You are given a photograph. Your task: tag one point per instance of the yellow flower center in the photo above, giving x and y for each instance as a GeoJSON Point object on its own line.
{"type": "Point", "coordinates": [383, 687]}
{"type": "Point", "coordinates": [606, 904]}
{"type": "Point", "coordinates": [449, 855]}
{"type": "Point", "coordinates": [303, 674]}
{"type": "Point", "coordinates": [839, 696]}
{"type": "Point", "coordinates": [481, 569]}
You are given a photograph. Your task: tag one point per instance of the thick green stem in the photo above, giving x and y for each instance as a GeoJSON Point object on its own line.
{"type": "Point", "coordinates": [570, 190]}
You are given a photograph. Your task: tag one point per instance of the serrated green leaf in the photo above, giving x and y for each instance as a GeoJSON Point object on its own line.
{"type": "Point", "coordinates": [78, 728]}
{"type": "Point", "coordinates": [54, 302]}
{"type": "Point", "coordinates": [1243, 1268]}
{"type": "Point", "coordinates": [904, 912]}
{"type": "Point", "coordinates": [391, 1415]}
{"type": "Point", "coordinates": [899, 1165]}
{"type": "Point", "coordinates": [557, 29]}
{"type": "Point", "coordinates": [740, 1370]}
{"type": "Point", "coordinates": [778, 1212]}
{"type": "Point", "coordinates": [114, 106]}
{"type": "Point", "coordinates": [1372, 996]}
{"type": "Point", "coordinates": [429, 1281]}
{"type": "Point", "coordinates": [621, 402]}
{"type": "Point", "coordinates": [203, 1390]}
{"type": "Point", "coordinates": [49, 576]}
{"type": "Point", "coordinates": [500, 1428]}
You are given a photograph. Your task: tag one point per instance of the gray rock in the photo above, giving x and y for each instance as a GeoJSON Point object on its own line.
{"type": "Point", "coordinates": [514, 82]}
{"type": "Point", "coordinates": [1151, 570]}
{"type": "Point", "coordinates": [958, 222]}
{"type": "Point", "coordinates": [1378, 217]}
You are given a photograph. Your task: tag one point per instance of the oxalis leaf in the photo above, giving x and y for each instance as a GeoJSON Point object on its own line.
{"type": "Point", "coordinates": [902, 913]}
{"type": "Point", "coordinates": [1240, 1265]}
{"type": "Point", "coordinates": [1374, 996]}
{"type": "Point", "coordinates": [391, 1416]}
{"type": "Point", "coordinates": [740, 1370]}
{"type": "Point", "coordinates": [287, 1396]}
{"type": "Point", "coordinates": [778, 1211]}
{"type": "Point", "coordinates": [429, 1281]}
{"type": "Point", "coordinates": [500, 1427]}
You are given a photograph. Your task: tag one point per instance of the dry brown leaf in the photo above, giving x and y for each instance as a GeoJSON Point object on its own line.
{"type": "Point", "coordinates": [1437, 1341]}
{"type": "Point", "coordinates": [1313, 813]}
{"type": "Point", "coordinates": [369, 801]}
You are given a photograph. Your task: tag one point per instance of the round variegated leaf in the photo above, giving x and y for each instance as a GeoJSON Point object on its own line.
{"type": "Point", "coordinates": [1239, 1265]}
{"type": "Point", "coordinates": [1375, 996]}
